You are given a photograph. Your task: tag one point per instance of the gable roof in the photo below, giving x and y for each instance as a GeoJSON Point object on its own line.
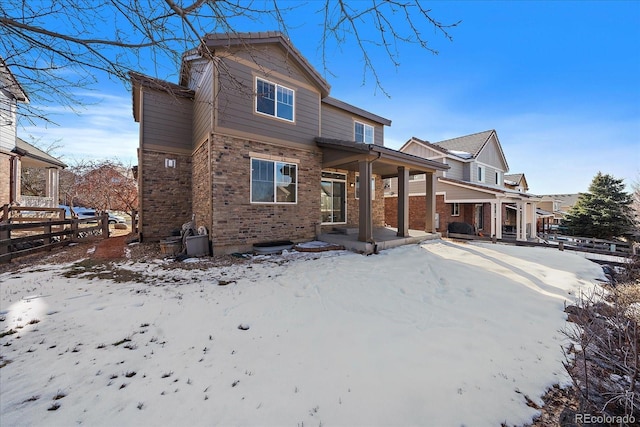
{"type": "Point", "coordinates": [515, 179]}
{"type": "Point", "coordinates": [9, 83]}
{"type": "Point", "coordinates": [29, 151]}
{"type": "Point", "coordinates": [228, 40]}
{"type": "Point", "coordinates": [355, 110]}
{"type": "Point", "coordinates": [140, 80]}
{"type": "Point", "coordinates": [427, 144]}
{"type": "Point", "coordinates": [472, 144]}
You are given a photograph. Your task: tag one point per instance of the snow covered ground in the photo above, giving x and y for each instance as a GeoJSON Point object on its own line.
{"type": "Point", "coordinates": [441, 334]}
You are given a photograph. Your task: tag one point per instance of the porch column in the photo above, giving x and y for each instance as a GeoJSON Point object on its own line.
{"type": "Point", "coordinates": [430, 196]}
{"type": "Point", "coordinates": [365, 217]}
{"type": "Point", "coordinates": [403, 201]}
{"type": "Point", "coordinates": [519, 221]}
{"type": "Point", "coordinates": [494, 219]}
{"type": "Point", "coordinates": [499, 220]}
{"type": "Point", "coordinates": [51, 185]}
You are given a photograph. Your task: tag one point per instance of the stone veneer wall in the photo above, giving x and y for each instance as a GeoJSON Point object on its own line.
{"type": "Point", "coordinates": [5, 179]}
{"type": "Point", "coordinates": [237, 223]}
{"type": "Point", "coordinates": [165, 194]}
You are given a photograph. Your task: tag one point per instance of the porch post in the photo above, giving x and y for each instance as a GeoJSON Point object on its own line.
{"type": "Point", "coordinates": [499, 220]}
{"type": "Point", "coordinates": [494, 215]}
{"type": "Point", "coordinates": [365, 217]}
{"type": "Point", "coordinates": [51, 185]}
{"type": "Point", "coordinates": [519, 221]}
{"type": "Point", "coordinates": [430, 196]}
{"type": "Point", "coordinates": [403, 201]}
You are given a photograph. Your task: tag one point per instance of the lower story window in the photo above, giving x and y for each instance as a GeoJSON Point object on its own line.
{"type": "Point", "coordinates": [273, 182]}
{"type": "Point", "coordinates": [455, 209]}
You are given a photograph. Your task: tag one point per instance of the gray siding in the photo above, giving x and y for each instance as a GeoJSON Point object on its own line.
{"type": "Point", "coordinates": [490, 155]}
{"type": "Point", "coordinates": [490, 175]}
{"type": "Point", "coordinates": [7, 123]}
{"type": "Point", "coordinates": [236, 102]}
{"type": "Point", "coordinates": [203, 105]}
{"type": "Point", "coordinates": [422, 151]}
{"type": "Point", "coordinates": [340, 124]}
{"type": "Point", "coordinates": [166, 120]}
{"type": "Point", "coordinates": [459, 193]}
{"type": "Point", "coordinates": [457, 170]}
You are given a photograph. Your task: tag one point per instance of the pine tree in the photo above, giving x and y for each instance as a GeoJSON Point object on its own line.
{"type": "Point", "coordinates": [603, 212]}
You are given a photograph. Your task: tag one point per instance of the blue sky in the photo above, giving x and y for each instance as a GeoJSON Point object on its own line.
{"type": "Point", "coordinates": [558, 81]}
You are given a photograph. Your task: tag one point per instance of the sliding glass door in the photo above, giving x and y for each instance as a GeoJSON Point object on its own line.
{"type": "Point", "coordinates": [333, 200]}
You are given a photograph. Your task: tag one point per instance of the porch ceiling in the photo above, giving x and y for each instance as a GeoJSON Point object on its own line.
{"type": "Point", "coordinates": [341, 154]}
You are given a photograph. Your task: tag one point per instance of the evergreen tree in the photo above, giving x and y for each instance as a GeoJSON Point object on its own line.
{"type": "Point", "coordinates": [603, 212]}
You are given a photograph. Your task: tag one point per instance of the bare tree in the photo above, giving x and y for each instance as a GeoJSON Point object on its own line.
{"type": "Point", "coordinates": [58, 46]}
{"type": "Point", "coordinates": [104, 185]}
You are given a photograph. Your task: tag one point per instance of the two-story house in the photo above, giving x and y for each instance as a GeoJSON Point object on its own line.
{"type": "Point", "coordinates": [16, 154]}
{"type": "Point", "coordinates": [472, 190]}
{"type": "Point", "coordinates": [250, 142]}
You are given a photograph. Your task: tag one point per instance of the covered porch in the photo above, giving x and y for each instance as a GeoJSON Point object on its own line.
{"type": "Point", "coordinates": [368, 160]}
{"type": "Point", "coordinates": [38, 175]}
{"type": "Point", "coordinates": [497, 211]}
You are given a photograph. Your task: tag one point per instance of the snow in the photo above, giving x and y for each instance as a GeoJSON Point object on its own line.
{"type": "Point", "coordinates": [441, 333]}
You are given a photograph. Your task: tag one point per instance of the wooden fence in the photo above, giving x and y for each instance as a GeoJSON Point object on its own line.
{"type": "Point", "coordinates": [25, 230]}
{"type": "Point", "coordinates": [572, 243]}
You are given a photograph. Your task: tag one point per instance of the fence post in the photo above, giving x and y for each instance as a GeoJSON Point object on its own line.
{"type": "Point", "coordinates": [5, 234]}
{"type": "Point", "coordinates": [47, 234]}
{"type": "Point", "coordinates": [74, 229]}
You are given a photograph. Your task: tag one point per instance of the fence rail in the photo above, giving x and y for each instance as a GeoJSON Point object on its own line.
{"type": "Point", "coordinates": [24, 231]}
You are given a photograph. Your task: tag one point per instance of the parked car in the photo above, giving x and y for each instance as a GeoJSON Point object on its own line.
{"type": "Point", "coordinates": [113, 219]}
{"type": "Point", "coordinates": [90, 213]}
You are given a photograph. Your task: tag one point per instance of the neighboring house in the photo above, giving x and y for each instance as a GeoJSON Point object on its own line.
{"type": "Point", "coordinates": [17, 155]}
{"type": "Point", "coordinates": [252, 145]}
{"type": "Point", "coordinates": [10, 94]}
{"type": "Point", "coordinates": [516, 181]}
{"type": "Point", "coordinates": [558, 205]}
{"type": "Point", "coordinates": [475, 189]}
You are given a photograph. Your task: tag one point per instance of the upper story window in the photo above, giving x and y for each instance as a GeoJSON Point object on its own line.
{"type": "Point", "coordinates": [481, 174]}
{"type": "Point", "coordinates": [499, 180]}
{"type": "Point", "coordinates": [363, 133]}
{"type": "Point", "coordinates": [274, 100]}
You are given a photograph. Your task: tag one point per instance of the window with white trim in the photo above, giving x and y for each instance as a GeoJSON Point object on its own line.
{"type": "Point", "coordinates": [499, 180]}
{"type": "Point", "coordinates": [455, 209]}
{"type": "Point", "coordinates": [273, 182]}
{"type": "Point", "coordinates": [363, 133]}
{"type": "Point", "coordinates": [274, 100]}
{"type": "Point", "coordinates": [481, 174]}
{"type": "Point", "coordinates": [418, 177]}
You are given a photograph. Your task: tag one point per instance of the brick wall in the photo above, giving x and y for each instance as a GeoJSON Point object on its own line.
{"type": "Point", "coordinates": [165, 193]}
{"type": "Point", "coordinates": [5, 179]}
{"type": "Point", "coordinates": [236, 222]}
{"type": "Point", "coordinates": [201, 191]}
{"type": "Point", "coordinates": [418, 209]}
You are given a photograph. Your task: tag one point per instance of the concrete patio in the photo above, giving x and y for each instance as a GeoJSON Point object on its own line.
{"type": "Point", "coordinates": [383, 238]}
